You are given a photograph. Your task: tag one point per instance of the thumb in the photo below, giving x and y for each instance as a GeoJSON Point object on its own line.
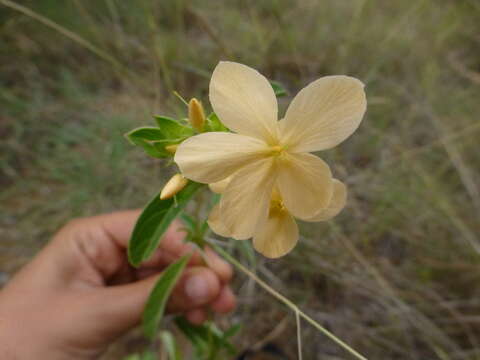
{"type": "Point", "coordinates": [119, 308]}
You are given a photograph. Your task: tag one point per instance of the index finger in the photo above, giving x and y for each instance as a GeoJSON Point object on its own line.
{"type": "Point", "coordinates": [119, 226]}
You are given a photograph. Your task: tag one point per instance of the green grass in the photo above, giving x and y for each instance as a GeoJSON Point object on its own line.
{"type": "Point", "coordinates": [395, 275]}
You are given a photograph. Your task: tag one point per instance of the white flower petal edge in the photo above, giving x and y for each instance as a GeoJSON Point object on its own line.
{"type": "Point", "coordinates": [323, 114]}
{"type": "Point", "coordinates": [244, 100]}
{"type": "Point", "coordinates": [245, 204]}
{"type": "Point", "coordinates": [305, 184]}
{"type": "Point", "coordinates": [278, 236]}
{"type": "Point", "coordinates": [215, 222]}
{"type": "Point", "coordinates": [337, 203]}
{"type": "Point", "coordinates": [213, 156]}
{"type": "Point", "coordinates": [219, 187]}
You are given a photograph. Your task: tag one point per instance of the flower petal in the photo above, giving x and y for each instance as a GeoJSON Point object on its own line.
{"type": "Point", "coordinates": [215, 222]}
{"type": "Point", "coordinates": [213, 156]}
{"type": "Point", "coordinates": [323, 114]}
{"type": "Point", "coordinates": [305, 184]}
{"type": "Point", "coordinates": [278, 236]}
{"type": "Point", "coordinates": [337, 203]}
{"type": "Point", "coordinates": [246, 201]}
{"type": "Point", "coordinates": [244, 100]}
{"type": "Point", "coordinates": [219, 187]}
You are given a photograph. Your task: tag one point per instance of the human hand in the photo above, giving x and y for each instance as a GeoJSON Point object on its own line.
{"type": "Point", "coordinates": [79, 293]}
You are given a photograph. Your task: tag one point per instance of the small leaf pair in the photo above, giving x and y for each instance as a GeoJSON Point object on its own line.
{"type": "Point", "coordinates": [161, 141]}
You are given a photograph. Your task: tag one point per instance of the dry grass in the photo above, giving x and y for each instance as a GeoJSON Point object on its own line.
{"type": "Point", "coordinates": [396, 275]}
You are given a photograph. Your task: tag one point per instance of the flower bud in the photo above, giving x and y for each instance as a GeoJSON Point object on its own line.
{"type": "Point", "coordinates": [196, 115]}
{"type": "Point", "coordinates": [171, 148]}
{"type": "Point", "coordinates": [173, 186]}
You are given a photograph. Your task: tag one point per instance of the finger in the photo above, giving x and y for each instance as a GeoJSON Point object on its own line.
{"type": "Point", "coordinates": [99, 243]}
{"type": "Point", "coordinates": [198, 287]}
{"type": "Point", "coordinates": [91, 247]}
{"type": "Point", "coordinates": [84, 248]}
{"type": "Point", "coordinates": [103, 240]}
{"type": "Point", "coordinates": [119, 308]}
{"type": "Point", "coordinates": [118, 225]}
{"type": "Point", "coordinates": [196, 316]}
{"type": "Point", "coordinates": [225, 302]}
{"type": "Point", "coordinates": [162, 258]}
{"type": "Point", "coordinates": [172, 247]}
{"type": "Point", "coordinates": [217, 264]}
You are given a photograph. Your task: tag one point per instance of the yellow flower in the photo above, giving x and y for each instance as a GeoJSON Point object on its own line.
{"type": "Point", "coordinates": [265, 154]}
{"type": "Point", "coordinates": [279, 234]}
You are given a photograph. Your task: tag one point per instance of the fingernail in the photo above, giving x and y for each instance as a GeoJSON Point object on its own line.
{"type": "Point", "coordinates": [197, 288]}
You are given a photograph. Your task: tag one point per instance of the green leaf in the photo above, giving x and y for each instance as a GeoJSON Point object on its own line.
{"type": "Point", "coordinates": [145, 356]}
{"type": "Point", "coordinates": [132, 357]}
{"type": "Point", "coordinates": [150, 356]}
{"type": "Point", "coordinates": [145, 133]}
{"type": "Point", "coordinates": [145, 137]}
{"type": "Point", "coordinates": [214, 123]}
{"type": "Point", "coordinates": [154, 221]}
{"type": "Point", "coordinates": [172, 129]}
{"type": "Point", "coordinates": [153, 140]}
{"type": "Point", "coordinates": [278, 89]}
{"type": "Point", "coordinates": [170, 346]}
{"type": "Point", "coordinates": [161, 145]}
{"type": "Point", "coordinates": [206, 338]}
{"type": "Point", "coordinates": [155, 307]}
{"type": "Point", "coordinates": [197, 334]}
{"type": "Point", "coordinates": [151, 149]}
{"type": "Point", "coordinates": [232, 331]}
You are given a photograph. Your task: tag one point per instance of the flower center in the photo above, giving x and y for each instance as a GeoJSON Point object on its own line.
{"type": "Point", "coordinates": [276, 205]}
{"type": "Point", "coordinates": [277, 150]}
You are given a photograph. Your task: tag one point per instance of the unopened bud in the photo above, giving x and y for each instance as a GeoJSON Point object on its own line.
{"type": "Point", "coordinates": [171, 148]}
{"type": "Point", "coordinates": [173, 186]}
{"type": "Point", "coordinates": [196, 115]}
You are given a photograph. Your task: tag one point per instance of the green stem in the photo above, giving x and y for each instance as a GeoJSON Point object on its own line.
{"type": "Point", "coordinates": [284, 300]}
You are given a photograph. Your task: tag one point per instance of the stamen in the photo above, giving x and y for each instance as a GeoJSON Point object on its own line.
{"type": "Point", "coordinates": [276, 205]}
{"type": "Point", "coordinates": [277, 150]}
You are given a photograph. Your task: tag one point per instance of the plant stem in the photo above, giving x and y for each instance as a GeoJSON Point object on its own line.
{"type": "Point", "coordinates": [284, 300]}
{"type": "Point", "coordinates": [299, 334]}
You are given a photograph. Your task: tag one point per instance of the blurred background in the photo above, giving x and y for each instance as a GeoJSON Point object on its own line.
{"type": "Point", "coordinates": [396, 274]}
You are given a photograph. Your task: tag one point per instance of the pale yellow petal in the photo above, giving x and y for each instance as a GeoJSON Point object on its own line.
{"type": "Point", "coordinates": [216, 224]}
{"type": "Point", "coordinates": [277, 236]}
{"type": "Point", "coordinates": [244, 100]}
{"type": "Point", "coordinates": [246, 201]}
{"type": "Point", "coordinates": [220, 186]}
{"type": "Point", "coordinates": [213, 156]}
{"type": "Point", "coordinates": [305, 183]}
{"type": "Point", "coordinates": [337, 203]}
{"type": "Point", "coordinates": [323, 114]}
